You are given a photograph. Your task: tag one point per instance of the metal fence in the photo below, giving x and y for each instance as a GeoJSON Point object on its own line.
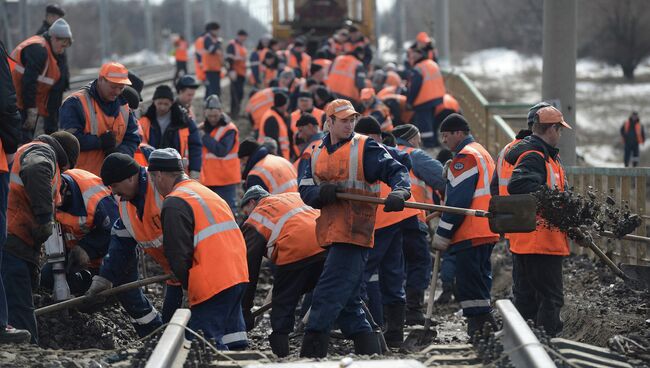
{"type": "Point", "coordinates": [491, 125]}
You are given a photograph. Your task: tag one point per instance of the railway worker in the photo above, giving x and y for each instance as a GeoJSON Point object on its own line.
{"type": "Point", "coordinates": [537, 256]}
{"type": "Point", "coordinates": [357, 39]}
{"type": "Point", "coordinates": [53, 12]}
{"type": "Point", "coordinates": [100, 118]}
{"type": "Point", "coordinates": [139, 225]}
{"type": "Point", "coordinates": [36, 72]}
{"type": "Point", "coordinates": [236, 56]}
{"type": "Point", "coordinates": [305, 106]}
{"type": "Point", "coordinates": [33, 193]}
{"type": "Point", "coordinates": [212, 58]}
{"type": "Point", "coordinates": [633, 135]}
{"type": "Point", "coordinates": [269, 69]}
{"type": "Point", "coordinates": [448, 106]}
{"type": "Point", "coordinates": [167, 124]}
{"type": "Point", "coordinates": [87, 213]}
{"type": "Point", "coordinates": [425, 91]}
{"type": "Point", "coordinates": [186, 87]}
{"type": "Point", "coordinates": [297, 59]}
{"type": "Point", "coordinates": [220, 170]}
{"type": "Point", "coordinates": [375, 107]}
{"type": "Point", "coordinates": [282, 228]}
{"type": "Point", "coordinates": [180, 55]}
{"type": "Point", "coordinates": [274, 125]}
{"type": "Point", "coordinates": [259, 102]}
{"type": "Point", "coordinates": [468, 237]}
{"type": "Point", "coordinates": [9, 141]}
{"type": "Point", "coordinates": [426, 179]}
{"type": "Point", "coordinates": [320, 67]}
{"type": "Point", "coordinates": [346, 227]}
{"type": "Point", "coordinates": [428, 45]}
{"type": "Point", "coordinates": [205, 250]}
{"type": "Point", "coordinates": [347, 75]}
{"type": "Point", "coordinates": [383, 282]}
{"type": "Point", "coordinates": [259, 167]}
{"type": "Point", "coordinates": [257, 57]}
{"type": "Point", "coordinates": [308, 131]}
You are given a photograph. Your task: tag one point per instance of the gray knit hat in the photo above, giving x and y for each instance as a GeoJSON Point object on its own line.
{"type": "Point", "coordinates": [212, 102]}
{"type": "Point", "coordinates": [60, 29]}
{"type": "Point", "coordinates": [165, 159]}
{"type": "Point", "coordinates": [255, 192]}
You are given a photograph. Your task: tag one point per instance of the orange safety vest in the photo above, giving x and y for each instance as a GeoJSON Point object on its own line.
{"type": "Point", "coordinates": [296, 114]}
{"type": "Point", "coordinates": [277, 173]}
{"type": "Point", "coordinates": [239, 58]}
{"type": "Point", "coordinates": [258, 104]}
{"type": "Point", "coordinates": [97, 123]}
{"type": "Point", "coordinates": [199, 49]}
{"type": "Point", "coordinates": [405, 115]}
{"type": "Point", "coordinates": [305, 154]}
{"type": "Point", "coordinates": [4, 162]}
{"type": "Point", "coordinates": [420, 191]}
{"type": "Point", "coordinates": [139, 156]}
{"type": "Point", "coordinates": [289, 227]}
{"type": "Point", "coordinates": [268, 75]}
{"type": "Point", "coordinates": [211, 62]}
{"type": "Point", "coordinates": [384, 219]}
{"type": "Point", "coordinates": [283, 134]}
{"type": "Point", "coordinates": [325, 63]}
{"type": "Point", "coordinates": [304, 66]}
{"type": "Point", "coordinates": [44, 82]}
{"type": "Point", "coordinates": [181, 50]}
{"type": "Point", "coordinates": [345, 221]}
{"type": "Point", "coordinates": [219, 260]}
{"type": "Point", "coordinates": [74, 227]}
{"type": "Point", "coordinates": [474, 227]}
{"type": "Point", "coordinates": [220, 171]}
{"type": "Point", "coordinates": [183, 138]}
{"type": "Point", "coordinates": [393, 80]}
{"type": "Point", "coordinates": [386, 91]}
{"type": "Point", "coordinates": [342, 76]}
{"type": "Point", "coordinates": [543, 240]}
{"type": "Point", "coordinates": [637, 130]}
{"type": "Point", "coordinates": [387, 125]}
{"type": "Point", "coordinates": [147, 231]}
{"type": "Point", "coordinates": [448, 103]}
{"type": "Point", "coordinates": [433, 86]}
{"type": "Point", "coordinates": [350, 46]}
{"type": "Point", "coordinates": [504, 168]}
{"type": "Point", "coordinates": [20, 218]}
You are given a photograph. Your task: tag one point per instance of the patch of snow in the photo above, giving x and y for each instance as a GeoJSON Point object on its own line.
{"type": "Point", "coordinates": [499, 62]}
{"type": "Point", "coordinates": [145, 57]}
{"type": "Point", "coordinates": [601, 155]}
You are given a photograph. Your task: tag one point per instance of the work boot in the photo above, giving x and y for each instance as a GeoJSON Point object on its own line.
{"type": "Point", "coordinates": [414, 315]}
{"type": "Point", "coordinates": [9, 334]}
{"type": "Point", "coordinates": [279, 344]}
{"type": "Point", "coordinates": [475, 324]}
{"type": "Point", "coordinates": [314, 345]}
{"type": "Point", "coordinates": [447, 293]}
{"type": "Point", "coordinates": [394, 322]}
{"type": "Point", "coordinates": [367, 343]}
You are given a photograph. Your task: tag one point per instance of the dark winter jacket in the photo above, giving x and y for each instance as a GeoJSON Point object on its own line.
{"type": "Point", "coordinates": [530, 173]}
{"type": "Point", "coordinates": [9, 115]}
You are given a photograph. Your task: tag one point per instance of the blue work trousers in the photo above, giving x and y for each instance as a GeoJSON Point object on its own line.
{"type": "Point", "coordinates": [337, 297]}
{"type": "Point", "coordinates": [17, 280]}
{"type": "Point", "coordinates": [417, 255]}
{"type": "Point", "coordinates": [423, 119]}
{"type": "Point", "coordinates": [213, 86]}
{"type": "Point", "coordinates": [4, 193]}
{"type": "Point", "coordinates": [229, 194]}
{"type": "Point", "coordinates": [474, 279]}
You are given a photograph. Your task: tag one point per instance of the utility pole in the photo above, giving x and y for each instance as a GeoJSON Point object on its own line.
{"type": "Point", "coordinates": [207, 11]}
{"type": "Point", "coordinates": [441, 31]}
{"type": "Point", "coordinates": [104, 30]}
{"type": "Point", "coordinates": [148, 21]}
{"type": "Point", "coordinates": [401, 31]}
{"type": "Point", "coordinates": [187, 17]}
{"type": "Point", "coordinates": [24, 19]}
{"type": "Point", "coordinates": [559, 68]}
{"type": "Point", "coordinates": [5, 21]}
{"type": "Point", "coordinates": [377, 28]}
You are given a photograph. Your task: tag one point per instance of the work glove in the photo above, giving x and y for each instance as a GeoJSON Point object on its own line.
{"type": "Point", "coordinates": [195, 174]}
{"type": "Point", "coordinates": [30, 119]}
{"type": "Point", "coordinates": [395, 200]}
{"type": "Point", "coordinates": [77, 259]}
{"type": "Point", "coordinates": [41, 232]}
{"type": "Point", "coordinates": [98, 285]}
{"type": "Point", "coordinates": [107, 141]}
{"type": "Point", "coordinates": [440, 243]}
{"type": "Point", "coordinates": [327, 193]}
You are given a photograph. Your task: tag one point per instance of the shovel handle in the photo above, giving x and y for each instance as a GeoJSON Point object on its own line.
{"type": "Point", "coordinates": [638, 238]}
{"type": "Point", "coordinates": [607, 260]}
{"type": "Point", "coordinates": [86, 298]}
{"type": "Point", "coordinates": [416, 205]}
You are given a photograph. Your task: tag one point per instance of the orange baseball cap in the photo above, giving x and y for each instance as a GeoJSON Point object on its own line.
{"type": "Point", "coordinates": [367, 93]}
{"type": "Point", "coordinates": [115, 72]}
{"type": "Point", "coordinates": [551, 115]}
{"type": "Point", "coordinates": [422, 37]}
{"type": "Point", "coordinates": [340, 108]}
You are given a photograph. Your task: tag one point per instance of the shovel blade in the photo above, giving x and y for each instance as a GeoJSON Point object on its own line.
{"type": "Point", "coordinates": [639, 276]}
{"type": "Point", "coordinates": [418, 339]}
{"type": "Point", "coordinates": [513, 214]}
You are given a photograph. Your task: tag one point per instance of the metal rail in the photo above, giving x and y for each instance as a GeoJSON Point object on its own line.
{"type": "Point", "coordinates": [171, 342]}
{"type": "Point", "coordinates": [519, 341]}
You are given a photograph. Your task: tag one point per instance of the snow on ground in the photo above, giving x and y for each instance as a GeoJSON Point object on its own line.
{"type": "Point", "coordinates": [145, 57]}
{"type": "Point", "coordinates": [603, 98]}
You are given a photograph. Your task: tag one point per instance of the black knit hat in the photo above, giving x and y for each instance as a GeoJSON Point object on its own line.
{"type": "Point", "coordinates": [323, 93]}
{"type": "Point", "coordinates": [131, 96]}
{"type": "Point", "coordinates": [165, 159]}
{"type": "Point", "coordinates": [54, 9]}
{"type": "Point", "coordinates": [315, 68]}
{"type": "Point", "coordinates": [306, 119]}
{"type": "Point", "coordinates": [280, 99]}
{"type": "Point", "coordinates": [61, 156]}
{"type": "Point", "coordinates": [533, 110]}
{"type": "Point", "coordinates": [247, 147]}
{"type": "Point", "coordinates": [367, 125]}
{"type": "Point", "coordinates": [117, 167]}
{"type": "Point", "coordinates": [454, 123]}
{"type": "Point", "coordinates": [136, 83]}
{"type": "Point", "coordinates": [70, 145]}
{"type": "Point", "coordinates": [405, 131]}
{"type": "Point", "coordinates": [163, 91]}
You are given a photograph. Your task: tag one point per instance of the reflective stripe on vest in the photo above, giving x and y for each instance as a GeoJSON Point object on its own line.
{"type": "Point", "coordinates": [94, 125]}
{"type": "Point", "coordinates": [276, 227]}
{"type": "Point", "coordinates": [128, 222]}
{"type": "Point", "coordinates": [274, 186]}
{"type": "Point", "coordinates": [504, 169]}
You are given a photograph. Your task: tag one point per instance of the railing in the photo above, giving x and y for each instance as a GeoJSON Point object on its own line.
{"type": "Point", "coordinates": [489, 124]}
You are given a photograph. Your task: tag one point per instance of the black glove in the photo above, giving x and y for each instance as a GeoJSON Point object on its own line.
{"type": "Point", "coordinates": [327, 193]}
{"type": "Point", "coordinates": [107, 141]}
{"type": "Point", "coordinates": [395, 200]}
{"type": "Point", "coordinates": [41, 232]}
{"type": "Point", "coordinates": [77, 259]}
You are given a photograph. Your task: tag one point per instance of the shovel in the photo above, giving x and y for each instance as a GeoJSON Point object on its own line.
{"type": "Point", "coordinates": [506, 214]}
{"type": "Point", "coordinates": [637, 277]}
